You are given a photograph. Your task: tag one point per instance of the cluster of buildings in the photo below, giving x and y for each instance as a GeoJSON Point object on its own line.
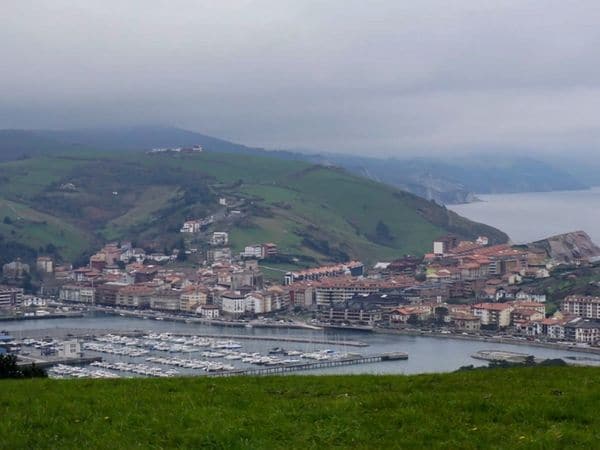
{"type": "Point", "coordinates": [468, 286]}
{"type": "Point", "coordinates": [577, 321]}
{"type": "Point", "coordinates": [194, 149]}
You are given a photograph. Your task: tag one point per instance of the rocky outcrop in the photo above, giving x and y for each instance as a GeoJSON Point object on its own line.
{"type": "Point", "coordinates": [568, 247]}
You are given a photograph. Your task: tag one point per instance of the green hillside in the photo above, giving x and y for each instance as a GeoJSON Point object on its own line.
{"type": "Point", "coordinates": [542, 408]}
{"type": "Point", "coordinates": [77, 201]}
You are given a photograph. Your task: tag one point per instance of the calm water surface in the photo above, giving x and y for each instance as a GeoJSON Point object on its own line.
{"type": "Point", "coordinates": [536, 215]}
{"type": "Point", "coordinates": [426, 354]}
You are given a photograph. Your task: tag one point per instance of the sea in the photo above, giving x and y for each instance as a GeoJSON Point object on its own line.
{"type": "Point", "coordinates": [532, 216]}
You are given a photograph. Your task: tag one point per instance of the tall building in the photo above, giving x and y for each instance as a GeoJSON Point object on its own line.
{"type": "Point", "coordinates": [582, 306]}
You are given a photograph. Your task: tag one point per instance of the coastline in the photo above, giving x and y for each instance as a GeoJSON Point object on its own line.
{"type": "Point", "coordinates": [550, 345]}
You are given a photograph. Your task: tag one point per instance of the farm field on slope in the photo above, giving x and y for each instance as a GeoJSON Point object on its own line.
{"type": "Point", "coordinates": [541, 407]}
{"type": "Point", "coordinates": [322, 213]}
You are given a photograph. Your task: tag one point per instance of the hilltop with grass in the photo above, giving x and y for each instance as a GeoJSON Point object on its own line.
{"type": "Point", "coordinates": [537, 407]}
{"type": "Point", "coordinates": [76, 200]}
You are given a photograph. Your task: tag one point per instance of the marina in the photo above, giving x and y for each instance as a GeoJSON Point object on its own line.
{"type": "Point", "coordinates": [201, 350]}
{"type": "Point", "coordinates": [167, 354]}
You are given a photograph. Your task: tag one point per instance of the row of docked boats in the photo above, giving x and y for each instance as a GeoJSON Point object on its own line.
{"type": "Point", "coordinates": [208, 366]}
{"type": "Point", "coordinates": [168, 343]}
{"type": "Point", "coordinates": [114, 349]}
{"type": "Point", "coordinates": [64, 371]}
{"type": "Point", "coordinates": [138, 369]}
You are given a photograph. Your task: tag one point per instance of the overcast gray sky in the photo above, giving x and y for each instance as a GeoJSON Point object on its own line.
{"type": "Point", "coordinates": [376, 76]}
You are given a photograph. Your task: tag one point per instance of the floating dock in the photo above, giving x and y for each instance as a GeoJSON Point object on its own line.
{"type": "Point", "coordinates": [501, 356]}
{"type": "Point", "coordinates": [397, 356]}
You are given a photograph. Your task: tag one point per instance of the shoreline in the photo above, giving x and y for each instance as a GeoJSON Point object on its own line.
{"type": "Point", "coordinates": [387, 331]}
{"type": "Point", "coordinates": [550, 345]}
{"type": "Point", "coordinates": [49, 316]}
{"type": "Point", "coordinates": [156, 315]}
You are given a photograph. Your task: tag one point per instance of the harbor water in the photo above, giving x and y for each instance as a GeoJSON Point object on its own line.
{"type": "Point", "coordinates": [426, 353]}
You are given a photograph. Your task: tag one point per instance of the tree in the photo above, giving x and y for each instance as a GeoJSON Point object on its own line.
{"type": "Point", "coordinates": [413, 319]}
{"type": "Point", "coordinates": [382, 233]}
{"type": "Point", "coordinates": [440, 313]}
{"type": "Point", "coordinates": [51, 249]}
{"type": "Point", "coordinates": [10, 369]}
{"type": "Point", "coordinates": [181, 255]}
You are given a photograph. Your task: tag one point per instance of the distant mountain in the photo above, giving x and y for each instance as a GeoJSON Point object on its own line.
{"type": "Point", "coordinates": [19, 144]}
{"type": "Point", "coordinates": [584, 166]}
{"type": "Point", "coordinates": [139, 138]}
{"type": "Point", "coordinates": [444, 180]}
{"type": "Point", "coordinates": [460, 179]}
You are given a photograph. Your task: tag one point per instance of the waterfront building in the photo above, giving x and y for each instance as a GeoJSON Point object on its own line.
{"type": "Point", "coordinates": [496, 315]}
{"type": "Point", "coordinates": [77, 293]}
{"type": "Point", "coordinates": [208, 311]}
{"type": "Point", "coordinates": [582, 306]}
{"type": "Point", "coordinates": [465, 321]}
{"type": "Point", "coordinates": [134, 296]}
{"type": "Point", "coordinates": [233, 304]}
{"type": "Point", "coordinates": [165, 301]}
{"type": "Point", "coordinates": [10, 297]}
{"type": "Point", "coordinates": [331, 291]}
{"type": "Point", "coordinates": [585, 331]}
{"type": "Point", "coordinates": [192, 297]}
{"type": "Point", "coordinates": [106, 294]}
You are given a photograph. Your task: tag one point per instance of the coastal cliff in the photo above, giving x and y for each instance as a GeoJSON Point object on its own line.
{"type": "Point", "coordinates": [568, 247]}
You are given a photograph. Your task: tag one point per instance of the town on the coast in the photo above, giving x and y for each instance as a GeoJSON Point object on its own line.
{"type": "Point", "coordinates": [462, 288]}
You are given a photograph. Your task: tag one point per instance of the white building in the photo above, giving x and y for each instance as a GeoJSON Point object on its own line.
{"type": "Point", "coordinates": [208, 311]}
{"type": "Point", "coordinates": [10, 297]}
{"type": "Point", "coordinates": [219, 238]}
{"type": "Point", "coordinates": [233, 304]}
{"type": "Point", "coordinates": [69, 349]}
{"type": "Point", "coordinates": [77, 294]}
{"type": "Point", "coordinates": [530, 297]}
{"type": "Point", "coordinates": [190, 226]}
{"type": "Point", "coordinates": [32, 300]}
{"type": "Point", "coordinates": [253, 251]}
{"type": "Point", "coordinates": [583, 306]}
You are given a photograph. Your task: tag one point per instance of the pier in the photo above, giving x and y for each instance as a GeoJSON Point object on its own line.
{"type": "Point", "coordinates": [275, 370]}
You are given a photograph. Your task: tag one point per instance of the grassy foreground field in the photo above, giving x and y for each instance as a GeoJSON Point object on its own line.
{"type": "Point", "coordinates": [504, 408]}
